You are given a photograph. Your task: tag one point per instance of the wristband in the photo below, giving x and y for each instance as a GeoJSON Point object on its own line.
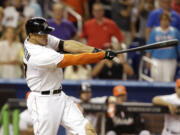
{"type": "Point", "coordinates": [61, 46]}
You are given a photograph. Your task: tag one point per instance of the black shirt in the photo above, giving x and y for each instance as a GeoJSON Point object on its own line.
{"type": "Point", "coordinates": [125, 122]}
{"type": "Point", "coordinates": [114, 72]}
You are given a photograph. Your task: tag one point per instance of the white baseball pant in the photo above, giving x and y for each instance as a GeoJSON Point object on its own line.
{"type": "Point", "coordinates": [48, 112]}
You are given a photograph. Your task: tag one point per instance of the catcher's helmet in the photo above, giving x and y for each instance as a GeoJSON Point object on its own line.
{"type": "Point", "coordinates": [38, 25]}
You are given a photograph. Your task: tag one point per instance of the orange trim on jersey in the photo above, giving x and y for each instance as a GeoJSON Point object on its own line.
{"type": "Point", "coordinates": [27, 94]}
{"type": "Point", "coordinates": [80, 59]}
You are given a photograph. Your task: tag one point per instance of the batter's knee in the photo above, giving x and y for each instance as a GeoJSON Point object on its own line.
{"type": "Point", "coordinates": [89, 129]}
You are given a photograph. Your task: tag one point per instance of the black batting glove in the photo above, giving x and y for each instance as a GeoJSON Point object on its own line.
{"type": "Point", "coordinates": [110, 55]}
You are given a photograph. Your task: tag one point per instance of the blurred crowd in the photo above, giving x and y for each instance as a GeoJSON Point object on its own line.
{"type": "Point", "coordinates": [106, 24]}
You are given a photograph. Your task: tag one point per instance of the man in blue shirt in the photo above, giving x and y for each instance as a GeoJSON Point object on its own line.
{"type": "Point", "coordinates": [153, 19]}
{"type": "Point", "coordinates": [64, 29]}
{"type": "Point", "coordinates": [164, 60]}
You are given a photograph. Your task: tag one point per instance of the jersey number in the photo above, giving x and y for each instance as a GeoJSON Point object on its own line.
{"type": "Point", "coordinates": [25, 69]}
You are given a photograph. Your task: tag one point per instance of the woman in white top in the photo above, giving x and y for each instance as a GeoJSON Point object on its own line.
{"type": "Point", "coordinates": [11, 54]}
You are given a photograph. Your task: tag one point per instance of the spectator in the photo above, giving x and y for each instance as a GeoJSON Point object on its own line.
{"type": "Point", "coordinates": [107, 7]}
{"type": "Point", "coordinates": [23, 8]}
{"type": "Point", "coordinates": [13, 14]}
{"type": "Point", "coordinates": [85, 96]}
{"type": "Point", "coordinates": [1, 18]}
{"type": "Point", "coordinates": [11, 17]}
{"type": "Point", "coordinates": [157, 4]}
{"type": "Point", "coordinates": [107, 69]}
{"type": "Point", "coordinates": [29, 8]}
{"type": "Point", "coordinates": [80, 6]}
{"type": "Point", "coordinates": [64, 29]}
{"type": "Point", "coordinates": [142, 12]}
{"type": "Point", "coordinates": [99, 30]}
{"type": "Point", "coordinates": [172, 101]}
{"type": "Point", "coordinates": [85, 91]}
{"type": "Point", "coordinates": [121, 14]}
{"type": "Point", "coordinates": [153, 19]}
{"type": "Point", "coordinates": [37, 8]}
{"type": "Point", "coordinates": [164, 60]}
{"type": "Point", "coordinates": [176, 6]}
{"type": "Point", "coordinates": [120, 122]}
{"type": "Point", "coordinates": [80, 72]}
{"type": "Point", "coordinates": [10, 55]}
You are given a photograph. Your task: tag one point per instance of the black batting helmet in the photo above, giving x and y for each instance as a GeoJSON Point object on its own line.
{"type": "Point", "coordinates": [38, 25]}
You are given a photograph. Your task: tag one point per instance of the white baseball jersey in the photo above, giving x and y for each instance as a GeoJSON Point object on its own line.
{"type": "Point", "coordinates": [41, 65]}
{"type": "Point", "coordinates": [48, 112]}
{"type": "Point", "coordinates": [172, 122]}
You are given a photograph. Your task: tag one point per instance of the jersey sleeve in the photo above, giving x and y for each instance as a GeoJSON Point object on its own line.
{"type": "Point", "coordinates": [48, 58]}
{"type": "Point", "coordinates": [168, 98]}
{"type": "Point", "coordinates": [53, 42]}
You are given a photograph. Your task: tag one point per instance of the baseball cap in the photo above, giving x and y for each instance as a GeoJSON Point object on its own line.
{"type": "Point", "coordinates": [178, 83]}
{"type": "Point", "coordinates": [85, 87]}
{"type": "Point", "coordinates": [119, 90]}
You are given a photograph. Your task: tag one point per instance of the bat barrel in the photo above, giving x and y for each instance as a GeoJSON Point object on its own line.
{"type": "Point", "coordinates": [156, 45]}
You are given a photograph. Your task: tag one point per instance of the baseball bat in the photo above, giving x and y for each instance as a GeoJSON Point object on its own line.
{"type": "Point", "coordinates": [157, 45]}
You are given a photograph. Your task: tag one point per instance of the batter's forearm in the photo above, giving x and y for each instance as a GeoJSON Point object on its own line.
{"type": "Point", "coordinates": [81, 59]}
{"type": "Point", "coordinates": [77, 47]}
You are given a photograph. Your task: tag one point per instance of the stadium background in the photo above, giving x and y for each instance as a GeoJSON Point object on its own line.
{"type": "Point", "coordinates": [139, 88]}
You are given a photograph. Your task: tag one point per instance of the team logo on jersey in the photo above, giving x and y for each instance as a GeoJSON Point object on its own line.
{"type": "Point", "coordinates": [26, 54]}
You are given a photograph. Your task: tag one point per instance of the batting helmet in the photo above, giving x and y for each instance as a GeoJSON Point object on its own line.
{"type": "Point", "coordinates": [38, 25]}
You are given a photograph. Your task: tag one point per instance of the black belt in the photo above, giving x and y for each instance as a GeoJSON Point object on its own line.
{"type": "Point", "coordinates": [54, 92]}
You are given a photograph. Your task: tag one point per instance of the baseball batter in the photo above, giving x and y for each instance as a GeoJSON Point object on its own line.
{"type": "Point", "coordinates": [48, 105]}
{"type": "Point", "coordinates": [171, 122]}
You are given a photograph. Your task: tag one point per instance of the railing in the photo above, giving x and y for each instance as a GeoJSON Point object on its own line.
{"type": "Point", "coordinates": [143, 76]}
{"type": "Point", "coordinates": [77, 16]}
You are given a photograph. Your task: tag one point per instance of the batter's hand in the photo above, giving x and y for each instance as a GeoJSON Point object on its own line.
{"type": "Point", "coordinates": [172, 109]}
{"type": "Point", "coordinates": [110, 54]}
